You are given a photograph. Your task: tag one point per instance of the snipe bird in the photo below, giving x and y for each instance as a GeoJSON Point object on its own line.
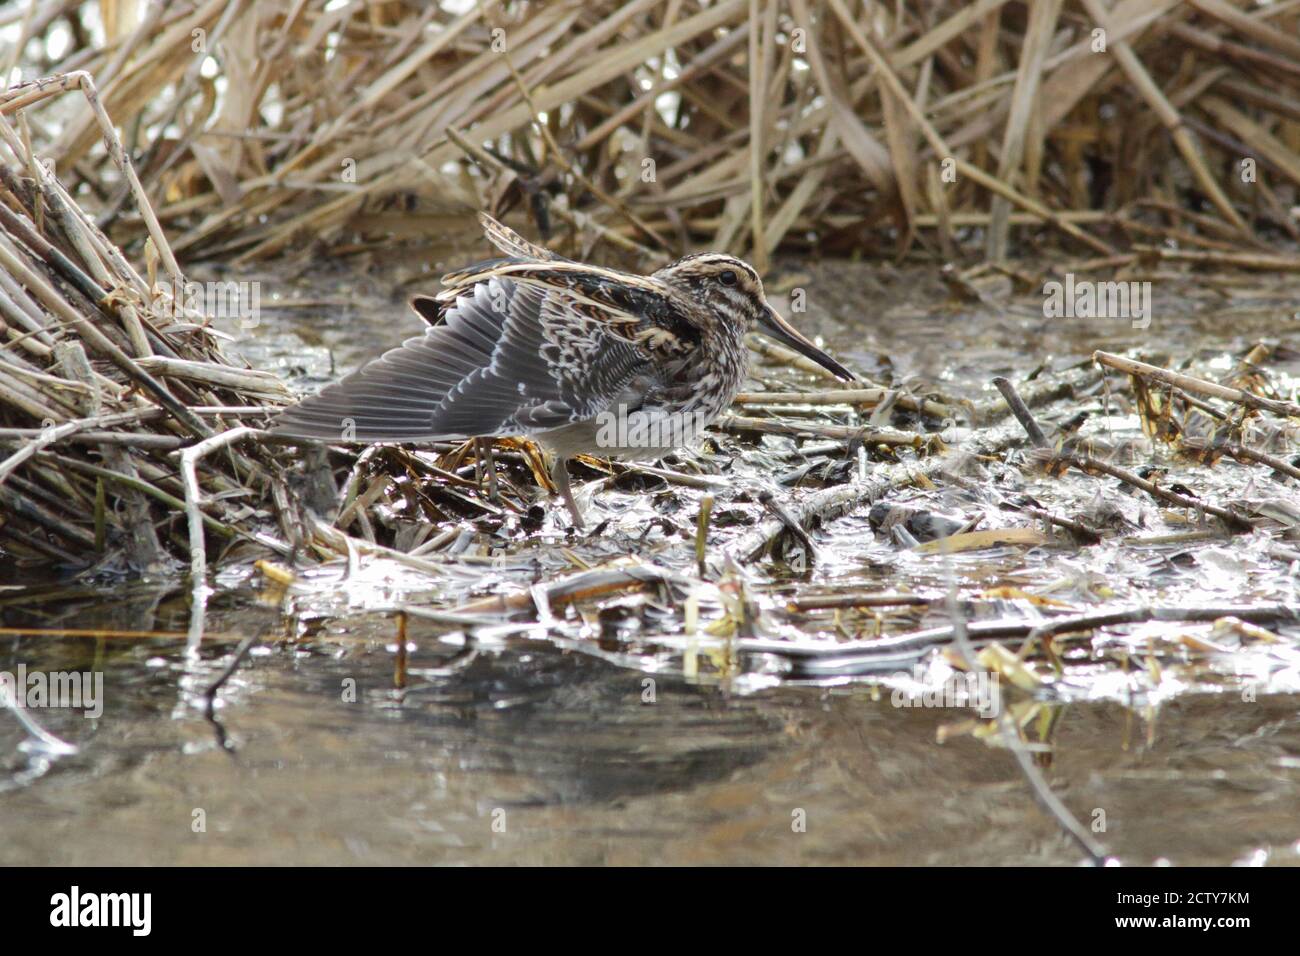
{"type": "Point", "coordinates": [582, 359]}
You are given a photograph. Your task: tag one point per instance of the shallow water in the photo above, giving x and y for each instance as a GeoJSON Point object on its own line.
{"type": "Point", "coordinates": [586, 741]}
{"type": "Point", "coordinates": [527, 754]}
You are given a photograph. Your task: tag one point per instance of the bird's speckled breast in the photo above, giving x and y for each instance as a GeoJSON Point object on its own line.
{"type": "Point", "coordinates": [669, 414]}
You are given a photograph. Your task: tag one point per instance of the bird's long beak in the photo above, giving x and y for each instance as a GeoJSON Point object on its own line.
{"type": "Point", "coordinates": [785, 333]}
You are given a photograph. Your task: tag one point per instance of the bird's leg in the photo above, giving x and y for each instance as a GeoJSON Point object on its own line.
{"type": "Point", "coordinates": [560, 478]}
{"type": "Point", "coordinates": [485, 459]}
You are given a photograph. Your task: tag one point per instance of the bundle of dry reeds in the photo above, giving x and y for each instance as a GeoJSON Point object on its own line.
{"type": "Point", "coordinates": [104, 375]}
{"type": "Point", "coordinates": [746, 125]}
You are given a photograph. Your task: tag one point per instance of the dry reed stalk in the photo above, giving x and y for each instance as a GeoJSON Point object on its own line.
{"type": "Point", "coordinates": [1199, 386]}
{"type": "Point", "coordinates": [81, 481]}
{"type": "Point", "coordinates": [1024, 102]}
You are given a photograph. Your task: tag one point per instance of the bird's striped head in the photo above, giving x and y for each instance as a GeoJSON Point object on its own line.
{"type": "Point", "coordinates": [728, 287]}
{"type": "Point", "coordinates": [731, 291]}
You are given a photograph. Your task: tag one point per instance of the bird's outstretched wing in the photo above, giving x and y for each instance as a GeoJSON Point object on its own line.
{"type": "Point", "coordinates": [507, 358]}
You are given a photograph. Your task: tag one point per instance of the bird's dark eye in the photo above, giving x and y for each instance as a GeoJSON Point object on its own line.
{"type": "Point", "coordinates": [727, 278]}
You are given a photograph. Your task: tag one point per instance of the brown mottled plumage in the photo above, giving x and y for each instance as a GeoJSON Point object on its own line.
{"type": "Point", "coordinates": [538, 345]}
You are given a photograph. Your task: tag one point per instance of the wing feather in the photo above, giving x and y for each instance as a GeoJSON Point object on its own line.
{"type": "Point", "coordinates": [507, 358]}
{"type": "Point", "coordinates": [513, 244]}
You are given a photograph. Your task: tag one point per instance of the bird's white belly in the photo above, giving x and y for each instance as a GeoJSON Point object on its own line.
{"type": "Point", "coordinates": [641, 435]}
